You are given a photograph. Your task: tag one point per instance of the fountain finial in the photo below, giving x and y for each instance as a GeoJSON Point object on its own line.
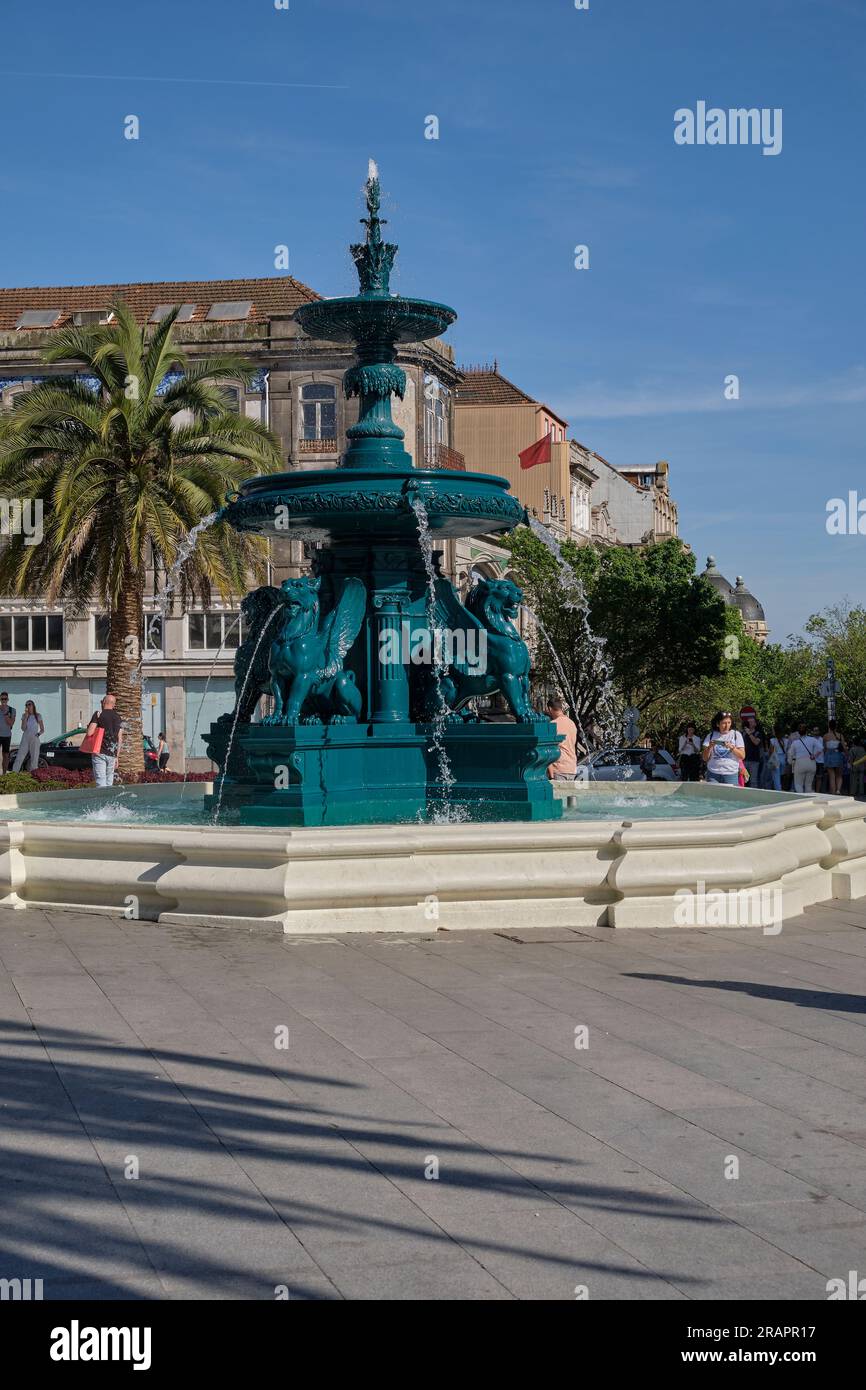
{"type": "Point", "coordinates": [374, 257]}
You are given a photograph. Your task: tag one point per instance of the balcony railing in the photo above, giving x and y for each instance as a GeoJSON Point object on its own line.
{"type": "Point", "coordinates": [441, 456]}
{"type": "Point", "coordinates": [317, 446]}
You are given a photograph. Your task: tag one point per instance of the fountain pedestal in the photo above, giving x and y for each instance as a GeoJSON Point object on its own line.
{"type": "Point", "coordinates": [370, 723]}
{"type": "Point", "coordinates": [372, 774]}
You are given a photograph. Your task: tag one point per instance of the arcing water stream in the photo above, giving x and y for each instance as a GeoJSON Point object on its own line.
{"type": "Point", "coordinates": [447, 812]}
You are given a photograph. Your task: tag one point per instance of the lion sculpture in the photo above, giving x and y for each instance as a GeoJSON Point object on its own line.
{"type": "Point", "coordinates": [491, 608]}
{"type": "Point", "coordinates": [305, 661]}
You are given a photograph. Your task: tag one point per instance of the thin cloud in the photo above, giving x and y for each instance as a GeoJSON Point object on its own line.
{"type": "Point", "coordinates": [597, 401]}
{"type": "Point", "coordinates": [198, 81]}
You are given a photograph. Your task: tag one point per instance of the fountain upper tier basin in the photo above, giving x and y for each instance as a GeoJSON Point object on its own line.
{"type": "Point", "coordinates": [373, 317]}
{"type": "Point", "coordinates": [345, 504]}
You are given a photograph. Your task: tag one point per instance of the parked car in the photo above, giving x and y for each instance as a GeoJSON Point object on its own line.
{"type": "Point", "coordinates": [628, 765]}
{"type": "Point", "coordinates": [65, 751]}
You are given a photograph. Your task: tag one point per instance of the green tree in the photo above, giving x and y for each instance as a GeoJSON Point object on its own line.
{"type": "Point", "coordinates": [840, 632]}
{"type": "Point", "coordinates": [122, 482]}
{"type": "Point", "coordinates": [664, 626]}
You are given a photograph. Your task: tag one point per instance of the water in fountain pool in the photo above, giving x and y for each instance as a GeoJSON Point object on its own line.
{"type": "Point", "coordinates": [127, 807]}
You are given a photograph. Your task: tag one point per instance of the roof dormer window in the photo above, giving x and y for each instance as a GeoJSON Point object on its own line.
{"type": "Point", "coordinates": [38, 318]}
{"type": "Point", "coordinates": [184, 313]}
{"type": "Point", "coordinates": [230, 309]}
{"type": "Point", "coordinates": [84, 318]}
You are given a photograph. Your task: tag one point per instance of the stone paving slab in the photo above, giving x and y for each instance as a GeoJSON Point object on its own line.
{"type": "Point", "coordinates": [431, 1130]}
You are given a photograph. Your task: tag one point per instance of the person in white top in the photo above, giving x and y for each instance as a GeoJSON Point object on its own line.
{"type": "Point", "coordinates": [724, 751]}
{"type": "Point", "coordinates": [32, 730]}
{"type": "Point", "coordinates": [803, 753]}
{"type": "Point", "coordinates": [690, 754]}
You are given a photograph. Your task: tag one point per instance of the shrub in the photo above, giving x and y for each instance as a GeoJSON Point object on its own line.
{"type": "Point", "coordinates": [15, 783]}
{"type": "Point", "coordinates": [65, 776]}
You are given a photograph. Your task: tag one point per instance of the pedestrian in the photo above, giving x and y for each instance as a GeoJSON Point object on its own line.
{"type": "Point", "coordinates": [566, 763]}
{"type": "Point", "coordinates": [690, 754]}
{"type": "Point", "coordinates": [803, 751]}
{"type": "Point", "coordinates": [163, 753]}
{"type": "Point", "coordinates": [7, 724]}
{"type": "Point", "coordinates": [755, 744]}
{"type": "Point", "coordinates": [32, 730]}
{"type": "Point", "coordinates": [776, 758]}
{"type": "Point", "coordinates": [819, 762]}
{"type": "Point", "coordinates": [835, 749]}
{"type": "Point", "coordinates": [108, 720]}
{"type": "Point", "coordinates": [723, 750]}
{"type": "Point", "coordinates": [857, 759]}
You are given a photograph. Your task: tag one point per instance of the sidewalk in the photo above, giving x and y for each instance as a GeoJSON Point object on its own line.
{"type": "Point", "coordinates": [131, 1047]}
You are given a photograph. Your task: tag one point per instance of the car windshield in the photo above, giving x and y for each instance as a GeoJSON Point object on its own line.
{"type": "Point", "coordinates": [73, 737]}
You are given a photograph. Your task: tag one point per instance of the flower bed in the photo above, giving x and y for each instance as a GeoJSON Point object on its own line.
{"type": "Point", "coordinates": [58, 779]}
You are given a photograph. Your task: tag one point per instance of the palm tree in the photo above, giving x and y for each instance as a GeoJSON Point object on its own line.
{"type": "Point", "coordinates": [123, 477]}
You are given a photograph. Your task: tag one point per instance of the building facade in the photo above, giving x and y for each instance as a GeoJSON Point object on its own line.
{"type": "Point", "coordinates": [58, 657]}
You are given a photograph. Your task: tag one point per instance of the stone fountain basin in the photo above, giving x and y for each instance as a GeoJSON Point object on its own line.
{"type": "Point", "coordinates": [418, 878]}
{"type": "Point", "coordinates": [374, 504]}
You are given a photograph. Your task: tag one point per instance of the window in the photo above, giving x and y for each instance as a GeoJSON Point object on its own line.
{"type": "Point", "coordinates": [83, 317]}
{"type": "Point", "coordinates": [38, 318]}
{"type": "Point", "coordinates": [210, 631]}
{"type": "Point", "coordinates": [37, 632]}
{"type": "Point", "coordinates": [232, 397]}
{"type": "Point", "coordinates": [230, 309]}
{"type": "Point", "coordinates": [319, 412]}
{"type": "Point", "coordinates": [436, 414]}
{"type": "Point", "coordinates": [579, 508]}
{"type": "Point", "coordinates": [151, 635]}
{"type": "Point", "coordinates": [161, 311]}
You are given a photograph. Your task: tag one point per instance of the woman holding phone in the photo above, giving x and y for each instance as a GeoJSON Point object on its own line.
{"type": "Point", "coordinates": [723, 751]}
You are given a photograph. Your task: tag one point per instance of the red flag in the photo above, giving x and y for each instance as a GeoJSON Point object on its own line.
{"type": "Point", "coordinates": [539, 452]}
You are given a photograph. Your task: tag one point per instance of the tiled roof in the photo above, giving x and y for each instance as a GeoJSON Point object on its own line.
{"type": "Point", "coordinates": [277, 294]}
{"type": "Point", "coordinates": [487, 386]}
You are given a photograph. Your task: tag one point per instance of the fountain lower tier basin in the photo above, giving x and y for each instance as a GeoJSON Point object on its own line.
{"type": "Point", "coordinates": [360, 774]}
{"type": "Point", "coordinates": [374, 504]}
{"type": "Point", "coordinates": [110, 854]}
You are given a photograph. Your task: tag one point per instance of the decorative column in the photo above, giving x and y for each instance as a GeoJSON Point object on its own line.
{"type": "Point", "coordinates": [389, 677]}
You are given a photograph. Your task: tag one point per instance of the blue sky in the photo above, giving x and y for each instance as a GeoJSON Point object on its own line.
{"type": "Point", "coordinates": [556, 129]}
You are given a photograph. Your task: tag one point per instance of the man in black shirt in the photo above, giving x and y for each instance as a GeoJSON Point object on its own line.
{"type": "Point", "coordinates": [7, 724]}
{"type": "Point", "coordinates": [103, 762]}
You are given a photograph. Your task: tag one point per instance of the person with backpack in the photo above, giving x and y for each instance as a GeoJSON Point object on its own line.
{"type": "Point", "coordinates": [803, 753]}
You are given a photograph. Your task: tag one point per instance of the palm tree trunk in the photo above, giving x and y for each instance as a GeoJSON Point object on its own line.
{"type": "Point", "coordinates": [124, 672]}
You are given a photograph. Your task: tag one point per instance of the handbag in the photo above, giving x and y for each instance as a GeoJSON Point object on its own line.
{"type": "Point", "coordinates": [92, 743]}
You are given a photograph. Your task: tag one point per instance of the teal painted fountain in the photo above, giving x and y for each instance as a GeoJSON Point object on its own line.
{"type": "Point", "coordinates": [373, 660]}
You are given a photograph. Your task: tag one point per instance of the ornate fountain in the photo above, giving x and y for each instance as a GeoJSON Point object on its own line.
{"type": "Point", "coordinates": [373, 660]}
